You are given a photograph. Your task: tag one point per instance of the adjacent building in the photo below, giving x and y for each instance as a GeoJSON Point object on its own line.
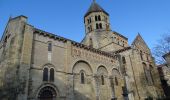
{"type": "Point", "coordinates": [164, 71]}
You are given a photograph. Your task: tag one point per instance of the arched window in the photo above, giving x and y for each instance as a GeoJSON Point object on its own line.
{"type": "Point", "coordinates": [97, 26]}
{"type": "Point", "coordinates": [116, 81]}
{"type": "Point", "coordinates": [88, 29]}
{"type": "Point", "coordinates": [52, 74]}
{"type": "Point", "coordinates": [50, 46]}
{"type": "Point", "coordinates": [96, 18]}
{"type": "Point", "coordinates": [82, 78]}
{"type": "Point", "coordinates": [45, 74]}
{"type": "Point", "coordinates": [90, 20]}
{"type": "Point", "coordinates": [100, 25]}
{"type": "Point", "coordinates": [123, 60]}
{"type": "Point", "coordinates": [99, 18]}
{"type": "Point", "coordinates": [102, 79]}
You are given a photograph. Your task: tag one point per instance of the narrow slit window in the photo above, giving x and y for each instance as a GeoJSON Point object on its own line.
{"type": "Point", "coordinates": [52, 74]}
{"type": "Point", "coordinates": [45, 74]}
{"type": "Point", "coordinates": [99, 18]}
{"type": "Point", "coordinates": [141, 55]}
{"type": "Point", "coordinates": [91, 42]}
{"type": "Point", "coordinates": [116, 81]}
{"type": "Point", "coordinates": [102, 79]}
{"type": "Point", "coordinates": [82, 78]}
{"type": "Point", "coordinates": [100, 25]}
{"type": "Point", "coordinates": [5, 41]}
{"type": "Point", "coordinates": [97, 26]}
{"type": "Point", "coordinates": [123, 60]}
{"type": "Point", "coordinates": [96, 18]}
{"type": "Point", "coordinates": [49, 46]}
{"type": "Point", "coordinates": [89, 29]}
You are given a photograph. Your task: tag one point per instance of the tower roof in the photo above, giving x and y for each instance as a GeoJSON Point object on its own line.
{"type": "Point", "coordinates": [95, 8]}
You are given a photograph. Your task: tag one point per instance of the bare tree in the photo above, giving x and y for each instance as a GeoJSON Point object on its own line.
{"type": "Point", "coordinates": [161, 48]}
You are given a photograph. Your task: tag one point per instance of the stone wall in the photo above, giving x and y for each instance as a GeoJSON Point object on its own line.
{"type": "Point", "coordinates": [11, 50]}
{"type": "Point", "coordinates": [69, 59]}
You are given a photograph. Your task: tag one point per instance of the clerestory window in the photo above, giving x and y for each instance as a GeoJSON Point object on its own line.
{"type": "Point", "coordinates": [50, 46]}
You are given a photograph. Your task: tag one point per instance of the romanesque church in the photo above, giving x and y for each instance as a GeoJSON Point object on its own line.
{"type": "Point", "coordinates": [39, 65]}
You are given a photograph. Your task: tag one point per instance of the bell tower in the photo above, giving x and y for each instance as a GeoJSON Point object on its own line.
{"type": "Point", "coordinates": [96, 21]}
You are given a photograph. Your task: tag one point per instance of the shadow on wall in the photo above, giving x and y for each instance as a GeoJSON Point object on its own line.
{"type": "Point", "coordinates": [145, 85]}
{"type": "Point", "coordinates": [12, 85]}
{"type": "Point", "coordinates": [79, 96]}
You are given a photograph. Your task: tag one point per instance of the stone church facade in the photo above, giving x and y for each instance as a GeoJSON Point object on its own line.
{"type": "Point", "coordinates": [38, 65]}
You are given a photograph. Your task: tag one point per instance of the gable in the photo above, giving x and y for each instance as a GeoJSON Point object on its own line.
{"type": "Point", "coordinates": [5, 33]}
{"type": "Point", "coordinates": [140, 44]}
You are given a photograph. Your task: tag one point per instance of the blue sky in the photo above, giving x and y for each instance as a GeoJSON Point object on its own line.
{"type": "Point", "coordinates": [151, 18]}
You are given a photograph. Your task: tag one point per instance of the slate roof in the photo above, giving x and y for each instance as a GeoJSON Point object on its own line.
{"type": "Point", "coordinates": [95, 8]}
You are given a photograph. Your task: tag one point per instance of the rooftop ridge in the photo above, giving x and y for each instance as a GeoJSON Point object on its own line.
{"type": "Point", "coordinates": [121, 50]}
{"type": "Point", "coordinates": [120, 35]}
{"type": "Point", "coordinates": [51, 35]}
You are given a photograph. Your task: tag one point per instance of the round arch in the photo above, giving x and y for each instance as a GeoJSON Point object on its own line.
{"type": "Point", "coordinates": [47, 92]}
{"type": "Point", "coordinates": [115, 72]}
{"type": "Point", "coordinates": [102, 70]}
{"type": "Point", "coordinates": [82, 65]}
{"type": "Point", "coordinates": [49, 65]}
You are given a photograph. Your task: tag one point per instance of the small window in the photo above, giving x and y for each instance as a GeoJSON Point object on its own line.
{"type": "Point", "coordinates": [50, 46]}
{"type": "Point", "coordinates": [91, 42]}
{"type": "Point", "coordinates": [5, 41]}
{"type": "Point", "coordinates": [82, 78]}
{"type": "Point", "coordinates": [116, 81]}
{"type": "Point", "coordinates": [90, 20]}
{"type": "Point", "coordinates": [97, 26]}
{"type": "Point", "coordinates": [123, 60]}
{"type": "Point", "coordinates": [52, 74]}
{"type": "Point", "coordinates": [100, 25]}
{"type": "Point", "coordinates": [141, 55]}
{"type": "Point", "coordinates": [45, 74]}
{"type": "Point", "coordinates": [99, 18]}
{"type": "Point", "coordinates": [102, 79]}
{"type": "Point", "coordinates": [88, 29]}
{"type": "Point", "coordinates": [96, 18]}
